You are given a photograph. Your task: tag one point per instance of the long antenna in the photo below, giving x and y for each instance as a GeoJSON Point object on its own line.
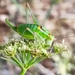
{"type": "Point", "coordinates": [34, 18]}
{"type": "Point", "coordinates": [26, 15]}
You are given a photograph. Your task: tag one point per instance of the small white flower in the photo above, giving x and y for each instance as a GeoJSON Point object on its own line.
{"type": "Point", "coordinates": [24, 46]}
{"type": "Point", "coordinates": [45, 51]}
{"type": "Point", "coordinates": [10, 48]}
{"type": "Point", "coordinates": [19, 48]}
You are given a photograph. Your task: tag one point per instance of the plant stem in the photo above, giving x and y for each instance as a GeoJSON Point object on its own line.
{"type": "Point", "coordinates": [23, 71]}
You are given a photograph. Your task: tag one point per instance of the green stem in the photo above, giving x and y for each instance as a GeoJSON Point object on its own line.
{"type": "Point", "coordinates": [20, 65]}
{"type": "Point", "coordinates": [23, 72]}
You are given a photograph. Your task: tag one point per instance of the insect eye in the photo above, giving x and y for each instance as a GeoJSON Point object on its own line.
{"type": "Point", "coordinates": [39, 27]}
{"type": "Point", "coordinates": [49, 34]}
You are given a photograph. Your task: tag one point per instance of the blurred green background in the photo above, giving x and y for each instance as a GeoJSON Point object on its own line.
{"type": "Point", "coordinates": [58, 16]}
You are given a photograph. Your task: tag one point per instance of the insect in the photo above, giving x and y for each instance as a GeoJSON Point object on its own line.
{"type": "Point", "coordinates": [30, 30]}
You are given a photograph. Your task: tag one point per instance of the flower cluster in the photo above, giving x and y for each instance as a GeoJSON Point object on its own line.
{"type": "Point", "coordinates": [24, 52]}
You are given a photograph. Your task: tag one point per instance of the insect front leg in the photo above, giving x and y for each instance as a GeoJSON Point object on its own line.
{"type": "Point", "coordinates": [37, 38]}
{"type": "Point", "coordinates": [36, 35]}
{"type": "Point", "coordinates": [51, 48]}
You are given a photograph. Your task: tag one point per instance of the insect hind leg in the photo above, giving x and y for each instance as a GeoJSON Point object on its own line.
{"type": "Point", "coordinates": [30, 31]}
{"type": "Point", "coordinates": [35, 34]}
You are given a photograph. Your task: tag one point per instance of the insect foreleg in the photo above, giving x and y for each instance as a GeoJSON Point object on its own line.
{"type": "Point", "coordinates": [43, 34]}
{"type": "Point", "coordinates": [38, 36]}
{"type": "Point", "coordinates": [38, 40]}
{"type": "Point", "coordinates": [52, 45]}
